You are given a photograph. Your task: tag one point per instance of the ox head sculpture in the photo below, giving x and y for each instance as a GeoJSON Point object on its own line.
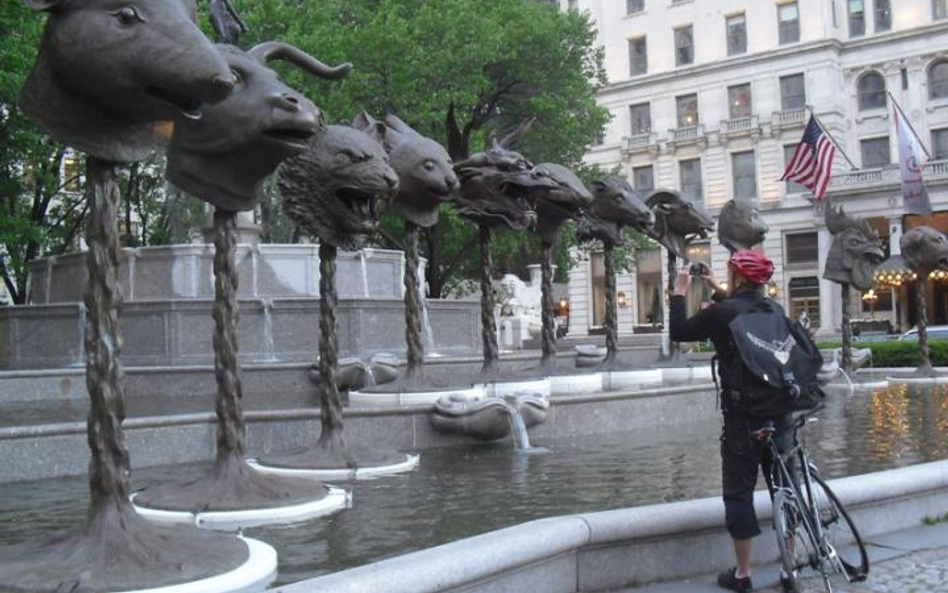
{"type": "Point", "coordinates": [925, 249]}
{"type": "Point", "coordinates": [425, 175]}
{"type": "Point", "coordinates": [223, 157]}
{"type": "Point", "coordinates": [331, 190]}
{"type": "Point", "coordinates": [678, 221]}
{"type": "Point", "coordinates": [563, 199]}
{"type": "Point", "coordinates": [740, 225]}
{"type": "Point", "coordinates": [108, 69]}
{"type": "Point", "coordinates": [615, 205]}
{"type": "Point", "coordinates": [854, 253]}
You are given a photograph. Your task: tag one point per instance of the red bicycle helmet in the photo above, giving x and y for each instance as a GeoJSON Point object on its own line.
{"type": "Point", "coordinates": [751, 266]}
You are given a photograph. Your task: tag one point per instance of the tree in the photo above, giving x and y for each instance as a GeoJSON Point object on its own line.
{"type": "Point", "coordinates": [458, 71]}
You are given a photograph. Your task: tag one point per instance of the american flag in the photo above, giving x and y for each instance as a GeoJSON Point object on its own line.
{"type": "Point", "coordinates": [812, 161]}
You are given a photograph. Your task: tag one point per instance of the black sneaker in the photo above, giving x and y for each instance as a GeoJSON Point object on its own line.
{"type": "Point", "coordinates": [786, 584]}
{"type": "Point", "coordinates": [729, 580]}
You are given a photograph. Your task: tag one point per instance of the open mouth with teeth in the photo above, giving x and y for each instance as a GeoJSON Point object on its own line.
{"type": "Point", "coordinates": [358, 209]}
{"type": "Point", "coordinates": [189, 108]}
{"type": "Point", "coordinates": [290, 136]}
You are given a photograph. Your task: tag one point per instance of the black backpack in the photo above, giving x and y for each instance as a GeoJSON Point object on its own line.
{"type": "Point", "coordinates": [776, 361]}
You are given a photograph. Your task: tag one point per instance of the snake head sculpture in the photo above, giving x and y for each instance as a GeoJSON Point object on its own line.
{"type": "Point", "coordinates": [563, 199]}
{"type": "Point", "coordinates": [425, 174]}
{"type": "Point", "coordinates": [224, 156]}
{"type": "Point", "coordinates": [494, 188]}
{"type": "Point", "coordinates": [740, 225]}
{"type": "Point", "coordinates": [678, 220]}
{"type": "Point", "coordinates": [107, 70]}
{"type": "Point", "coordinates": [855, 251]}
{"type": "Point", "coordinates": [331, 190]}
{"type": "Point", "coordinates": [925, 249]}
{"type": "Point", "coordinates": [615, 205]}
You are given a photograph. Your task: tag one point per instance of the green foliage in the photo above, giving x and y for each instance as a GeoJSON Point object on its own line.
{"type": "Point", "coordinates": [930, 520]}
{"type": "Point", "coordinates": [899, 353]}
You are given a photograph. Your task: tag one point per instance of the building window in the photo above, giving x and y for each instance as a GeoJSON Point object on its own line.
{"type": "Point", "coordinates": [939, 9]}
{"type": "Point", "coordinates": [802, 248]}
{"type": "Point", "coordinates": [940, 144]}
{"type": "Point", "coordinates": [648, 273]}
{"type": "Point", "coordinates": [857, 18]}
{"type": "Point", "coordinates": [687, 110]}
{"type": "Point", "coordinates": [72, 173]}
{"type": "Point", "coordinates": [634, 6]}
{"type": "Point", "coordinates": [689, 174]}
{"type": "Point", "coordinates": [804, 297]}
{"type": "Point", "coordinates": [938, 80]}
{"type": "Point", "coordinates": [875, 152]}
{"type": "Point", "coordinates": [739, 100]}
{"type": "Point", "coordinates": [641, 119]}
{"type": "Point", "coordinates": [736, 26]}
{"type": "Point", "coordinates": [684, 46]}
{"type": "Point", "coordinates": [882, 17]}
{"type": "Point", "coordinates": [638, 56]}
{"type": "Point", "coordinates": [788, 21]}
{"type": "Point", "coordinates": [871, 91]}
{"type": "Point", "coordinates": [597, 272]}
{"type": "Point", "coordinates": [792, 186]}
{"type": "Point", "coordinates": [744, 171]}
{"type": "Point", "coordinates": [792, 92]}
{"type": "Point", "coordinates": [643, 179]}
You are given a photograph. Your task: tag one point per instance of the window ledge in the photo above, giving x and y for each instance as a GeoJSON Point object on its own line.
{"type": "Point", "coordinates": [874, 113]}
{"type": "Point", "coordinates": [632, 15]}
{"type": "Point", "coordinates": [680, 2]}
{"type": "Point", "coordinates": [936, 104]}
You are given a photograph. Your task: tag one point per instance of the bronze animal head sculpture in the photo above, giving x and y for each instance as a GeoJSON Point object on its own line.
{"type": "Point", "coordinates": [425, 174]}
{"type": "Point", "coordinates": [563, 200]}
{"type": "Point", "coordinates": [331, 189]}
{"type": "Point", "coordinates": [494, 188]}
{"type": "Point", "coordinates": [925, 249]}
{"type": "Point", "coordinates": [223, 157]}
{"type": "Point", "coordinates": [678, 220]}
{"type": "Point", "coordinates": [108, 69]}
{"type": "Point", "coordinates": [740, 225]}
{"type": "Point", "coordinates": [615, 205]}
{"type": "Point", "coordinates": [854, 253]}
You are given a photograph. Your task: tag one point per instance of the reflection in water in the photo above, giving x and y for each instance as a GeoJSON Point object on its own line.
{"type": "Point", "coordinates": [461, 491]}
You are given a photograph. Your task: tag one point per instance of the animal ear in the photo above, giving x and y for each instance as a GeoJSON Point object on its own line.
{"type": "Point", "coordinates": [597, 186]}
{"type": "Point", "coordinates": [42, 4]}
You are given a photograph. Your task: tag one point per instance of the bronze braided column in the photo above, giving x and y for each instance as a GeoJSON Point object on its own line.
{"type": "Point", "coordinates": [847, 328]}
{"type": "Point", "coordinates": [612, 315]}
{"type": "Point", "coordinates": [329, 402]}
{"type": "Point", "coordinates": [548, 358]}
{"type": "Point", "coordinates": [671, 270]}
{"type": "Point", "coordinates": [925, 365]}
{"type": "Point", "coordinates": [488, 324]}
{"type": "Point", "coordinates": [415, 353]}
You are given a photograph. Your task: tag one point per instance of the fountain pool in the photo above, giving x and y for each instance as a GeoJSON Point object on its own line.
{"type": "Point", "coordinates": [461, 491]}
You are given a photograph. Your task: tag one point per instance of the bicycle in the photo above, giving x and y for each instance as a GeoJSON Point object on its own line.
{"type": "Point", "coordinates": [813, 529]}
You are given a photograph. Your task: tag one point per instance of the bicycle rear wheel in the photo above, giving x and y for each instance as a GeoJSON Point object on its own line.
{"type": "Point", "coordinates": [794, 539]}
{"type": "Point", "coordinates": [840, 532]}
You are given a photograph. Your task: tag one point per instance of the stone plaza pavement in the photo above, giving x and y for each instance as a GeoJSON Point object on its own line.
{"type": "Point", "coordinates": [911, 561]}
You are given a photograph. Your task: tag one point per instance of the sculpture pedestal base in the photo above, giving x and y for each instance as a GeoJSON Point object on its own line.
{"type": "Point", "coordinates": [408, 398]}
{"type": "Point", "coordinates": [919, 378]}
{"type": "Point", "coordinates": [409, 463]}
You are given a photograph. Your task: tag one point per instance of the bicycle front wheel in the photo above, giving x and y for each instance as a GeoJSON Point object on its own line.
{"type": "Point", "coordinates": [840, 532]}
{"type": "Point", "coordinates": [794, 539]}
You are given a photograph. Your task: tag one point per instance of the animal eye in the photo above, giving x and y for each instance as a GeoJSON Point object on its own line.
{"type": "Point", "coordinates": [127, 15]}
{"type": "Point", "coordinates": [429, 165]}
{"type": "Point", "coordinates": [238, 75]}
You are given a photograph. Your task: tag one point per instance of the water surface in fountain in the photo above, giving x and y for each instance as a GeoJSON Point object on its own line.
{"type": "Point", "coordinates": [462, 491]}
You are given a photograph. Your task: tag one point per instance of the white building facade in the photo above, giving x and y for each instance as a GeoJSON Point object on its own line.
{"type": "Point", "coordinates": [711, 97]}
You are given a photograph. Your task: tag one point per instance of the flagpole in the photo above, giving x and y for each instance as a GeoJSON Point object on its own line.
{"type": "Point", "coordinates": [909, 124]}
{"type": "Point", "coordinates": [830, 136]}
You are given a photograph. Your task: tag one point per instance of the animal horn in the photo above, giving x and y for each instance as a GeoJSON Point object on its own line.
{"type": "Point", "coordinates": [517, 132]}
{"type": "Point", "coordinates": [275, 50]}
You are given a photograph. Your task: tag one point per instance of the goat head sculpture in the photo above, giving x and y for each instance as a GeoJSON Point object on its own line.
{"type": "Point", "coordinates": [678, 220]}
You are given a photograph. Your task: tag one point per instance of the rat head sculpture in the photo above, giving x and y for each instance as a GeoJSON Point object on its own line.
{"type": "Point", "coordinates": [331, 189]}
{"type": "Point", "coordinates": [425, 175]}
{"type": "Point", "coordinates": [740, 225]}
{"type": "Point", "coordinates": [854, 253]}
{"type": "Point", "coordinates": [678, 221]}
{"type": "Point", "coordinates": [108, 69]}
{"type": "Point", "coordinates": [615, 205]}
{"type": "Point", "coordinates": [223, 157]}
{"type": "Point", "coordinates": [925, 249]}
{"type": "Point", "coordinates": [564, 199]}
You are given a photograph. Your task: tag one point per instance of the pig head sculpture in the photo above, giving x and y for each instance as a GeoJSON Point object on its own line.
{"type": "Point", "coordinates": [425, 174]}
{"type": "Point", "coordinates": [855, 251]}
{"type": "Point", "coordinates": [925, 249]}
{"type": "Point", "coordinates": [223, 157]}
{"type": "Point", "coordinates": [740, 225]}
{"type": "Point", "coordinates": [108, 69]}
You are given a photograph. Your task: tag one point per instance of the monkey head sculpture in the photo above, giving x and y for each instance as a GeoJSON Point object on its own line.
{"type": "Point", "coordinates": [107, 70]}
{"type": "Point", "coordinates": [740, 225]}
{"type": "Point", "coordinates": [855, 251]}
{"type": "Point", "coordinates": [678, 220]}
{"type": "Point", "coordinates": [925, 249]}
{"type": "Point", "coordinates": [615, 205]}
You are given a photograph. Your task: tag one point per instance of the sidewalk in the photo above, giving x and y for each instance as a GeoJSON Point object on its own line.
{"type": "Point", "coordinates": [911, 561]}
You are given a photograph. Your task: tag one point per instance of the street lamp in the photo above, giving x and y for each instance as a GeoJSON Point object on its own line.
{"type": "Point", "coordinates": [871, 297]}
{"type": "Point", "coordinates": [772, 289]}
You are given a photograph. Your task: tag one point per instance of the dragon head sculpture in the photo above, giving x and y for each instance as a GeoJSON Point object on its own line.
{"type": "Point", "coordinates": [564, 199]}
{"type": "Point", "coordinates": [331, 189]}
{"type": "Point", "coordinates": [925, 249]}
{"type": "Point", "coordinates": [740, 225]}
{"type": "Point", "coordinates": [425, 175]}
{"type": "Point", "coordinates": [615, 205]}
{"type": "Point", "coordinates": [494, 188]}
{"type": "Point", "coordinates": [106, 71]}
{"type": "Point", "coordinates": [223, 157]}
{"type": "Point", "coordinates": [854, 253]}
{"type": "Point", "coordinates": [678, 220]}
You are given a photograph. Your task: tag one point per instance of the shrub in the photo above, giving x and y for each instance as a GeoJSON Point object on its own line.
{"type": "Point", "coordinates": [900, 353]}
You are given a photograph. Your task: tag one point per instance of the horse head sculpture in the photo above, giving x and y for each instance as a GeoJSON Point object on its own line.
{"type": "Point", "coordinates": [223, 157]}
{"type": "Point", "coordinates": [854, 253]}
{"type": "Point", "coordinates": [615, 205]}
{"type": "Point", "coordinates": [678, 220]}
{"type": "Point", "coordinates": [740, 225]}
